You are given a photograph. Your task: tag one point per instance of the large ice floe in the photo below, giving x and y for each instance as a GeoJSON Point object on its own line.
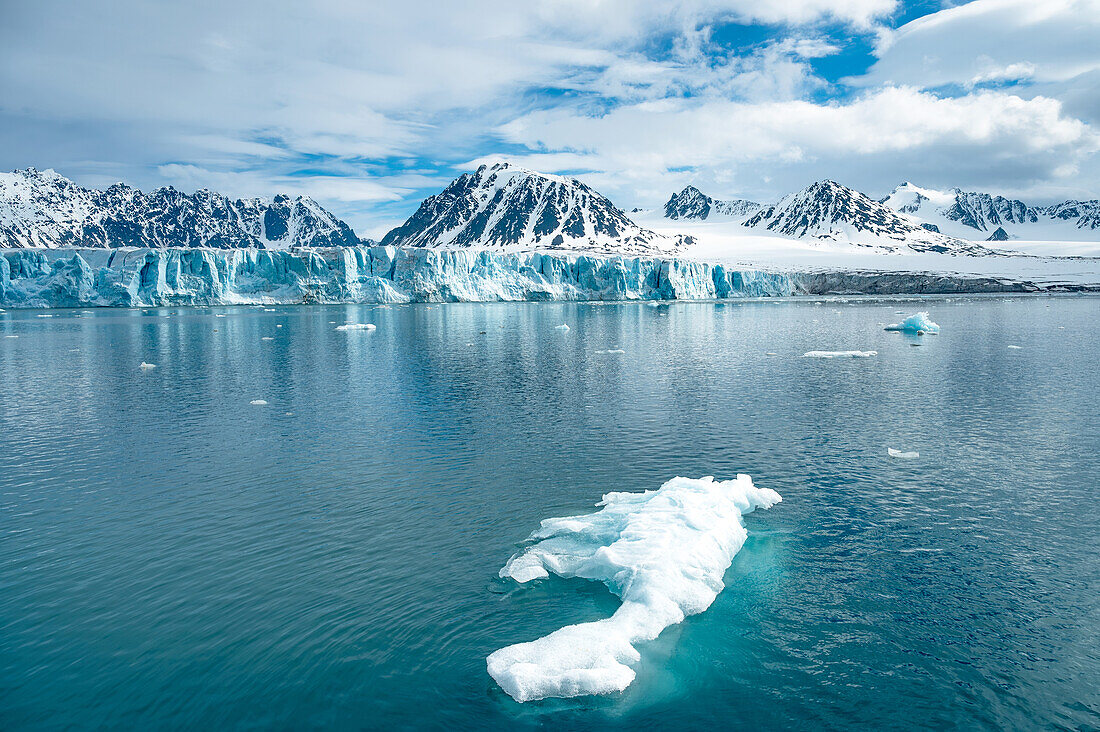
{"type": "Point", "coordinates": [916, 323]}
{"type": "Point", "coordinates": [664, 552]}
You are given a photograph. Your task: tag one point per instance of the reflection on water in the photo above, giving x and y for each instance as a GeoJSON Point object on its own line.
{"type": "Point", "coordinates": [175, 556]}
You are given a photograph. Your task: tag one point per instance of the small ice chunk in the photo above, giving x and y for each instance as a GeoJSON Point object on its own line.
{"type": "Point", "coordinates": [44, 315]}
{"type": "Point", "coordinates": [612, 350]}
{"type": "Point", "coordinates": [219, 315]}
{"type": "Point", "coordinates": [916, 323]}
{"type": "Point", "coordinates": [663, 552]}
{"type": "Point", "coordinates": [269, 310]}
{"type": "Point", "coordinates": [1015, 348]}
{"type": "Point", "coordinates": [839, 354]}
{"type": "Point", "coordinates": [278, 326]}
{"type": "Point", "coordinates": [267, 338]}
{"type": "Point", "coordinates": [258, 402]}
{"type": "Point", "coordinates": [147, 366]}
{"type": "Point", "coordinates": [903, 455]}
{"type": "Point", "coordinates": [563, 327]}
{"type": "Point", "coordinates": [771, 353]}
{"type": "Point", "coordinates": [653, 304]}
{"type": "Point", "coordinates": [356, 326]}
{"type": "Point", "coordinates": [11, 336]}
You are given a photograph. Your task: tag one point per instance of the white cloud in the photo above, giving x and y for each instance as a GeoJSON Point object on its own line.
{"type": "Point", "coordinates": [891, 129]}
{"type": "Point", "coordinates": [1056, 39]}
{"type": "Point", "coordinates": [339, 98]}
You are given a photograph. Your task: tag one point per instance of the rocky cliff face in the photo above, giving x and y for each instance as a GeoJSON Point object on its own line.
{"type": "Point", "coordinates": [508, 208]}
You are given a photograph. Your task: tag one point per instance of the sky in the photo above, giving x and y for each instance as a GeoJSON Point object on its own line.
{"type": "Point", "coordinates": [368, 107]}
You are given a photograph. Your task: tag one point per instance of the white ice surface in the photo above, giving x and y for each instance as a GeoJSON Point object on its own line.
{"type": "Point", "coordinates": [916, 323]}
{"type": "Point", "coordinates": [664, 552]}
{"type": "Point", "coordinates": [839, 354]}
{"type": "Point", "coordinates": [903, 455]}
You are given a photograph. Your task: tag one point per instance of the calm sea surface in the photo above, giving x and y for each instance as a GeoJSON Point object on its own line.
{"type": "Point", "coordinates": [172, 556]}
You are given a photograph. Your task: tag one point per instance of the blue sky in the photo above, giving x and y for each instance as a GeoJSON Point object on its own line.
{"type": "Point", "coordinates": [369, 107]}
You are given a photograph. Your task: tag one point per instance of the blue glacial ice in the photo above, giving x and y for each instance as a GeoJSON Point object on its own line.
{"type": "Point", "coordinates": [32, 278]}
{"type": "Point", "coordinates": [916, 323]}
{"type": "Point", "coordinates": [664, 552]}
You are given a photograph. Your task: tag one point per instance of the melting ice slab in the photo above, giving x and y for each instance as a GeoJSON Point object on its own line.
{"type": "Point", "coordinates": [664, 552]}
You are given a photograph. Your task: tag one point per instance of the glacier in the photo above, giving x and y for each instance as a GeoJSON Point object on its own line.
{"type": "Point", "coordinates": [32, 278]}
{"type": "Point", "coordinates": [173, 276]}
{"type": "Point", "coordinates": [663, 552]}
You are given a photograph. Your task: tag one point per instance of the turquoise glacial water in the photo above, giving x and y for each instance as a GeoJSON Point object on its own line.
{"type": "Point", "coordinates": [173, 557]}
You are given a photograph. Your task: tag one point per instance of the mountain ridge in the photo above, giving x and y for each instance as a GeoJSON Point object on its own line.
{"type": "Point", "coordinates": [46, 209]}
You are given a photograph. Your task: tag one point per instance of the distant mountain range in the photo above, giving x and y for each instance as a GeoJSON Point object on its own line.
{"type": "Point", "coordinates": [507, 208]}
{"type": "Point", "coordinates": [970, 214]}
{"type": "Point", "coordinates": [691, 203]}
{"type": "Point", "coordinates": [45, 209]}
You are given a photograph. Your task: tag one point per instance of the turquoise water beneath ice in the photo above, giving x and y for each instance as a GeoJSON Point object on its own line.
{"type": "Point", "coordinates": [174, 557]}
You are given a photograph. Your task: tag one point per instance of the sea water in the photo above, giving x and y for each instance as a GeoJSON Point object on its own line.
{"type": "Point", "coordinates": [304, 527]}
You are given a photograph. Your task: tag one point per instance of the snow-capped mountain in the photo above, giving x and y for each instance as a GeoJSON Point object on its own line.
{"type": "Point", "coordinates": [691, 203]}
{"type": "Point", "coordinates": [506, 207]}
{"type": "Point", "coordinates": [45, 209]}
{"type": "Point", "coordinates": [829, 211]}
{"type": "Point", "coordinates": [973, 215]}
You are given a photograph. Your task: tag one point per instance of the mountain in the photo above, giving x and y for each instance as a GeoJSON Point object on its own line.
{"type": "Point", "coordinates": [45, 209]}
{"type": "Point", "coordinates": [503, 206]}
{"type": "Point", "coordinates": [1084, 214]}
{"type": "Point", "coordinates": [691, 203]}
{"type": "Point", "coordinates": [967, 214]}
{"type": "Point", "coordinates": [829, 211]}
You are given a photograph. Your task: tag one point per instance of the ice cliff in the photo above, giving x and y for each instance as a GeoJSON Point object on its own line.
{"type": "Point", "coordinates": [194, 276]}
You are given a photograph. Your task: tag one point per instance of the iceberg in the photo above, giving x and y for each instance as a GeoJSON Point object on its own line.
{"type": "Point", "coordinates": [258, 402]}
{"type": "Point", "coordinates": [839, 354]}
{"type": "Point", "coordinates": [146, 366]}
{"type": "Point", "coordinates": [916, 323]}
{"type": "Point", "coordinates": [902, 455]}
{"type": "Point", "coordinates": [563, 327]}
{"type": "Point", "coordinates": [355, 326]}
{"type": "Point", "coordinates": [663, 552]}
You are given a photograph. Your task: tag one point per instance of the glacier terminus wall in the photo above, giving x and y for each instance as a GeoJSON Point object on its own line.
{"type": "Point", "coordinates": [34, 278]}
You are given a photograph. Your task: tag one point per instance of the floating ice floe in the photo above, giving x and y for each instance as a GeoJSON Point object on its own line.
{"type": "Point", "coordinates": [147, 366]}
{"type": "Point", "coordinates": [653, 304]}
{"type": "Point", "coordinates": [664, 552]}
{"type": "Point", "coordinates": [839, 354]}
{"type": "Point", "coordinates": [11, 336]}
{"type": "Point", "coordinates": [1015, 348]}
{"type": "Point", "coordinates": [612, 350]}
{"type": "Point", "coordinates": [219, 315]}
{"type": "Point", "coordinates": [43, 315]}
{"type": "Point", "coordinates": [916, 323]}
{"type": "Point", "coordinates": [563, 327]}
{"type": "Point", "coordinates": [258, 402]}
{"type": "Point", "coordinates": [903, 455]}
{"type": "Point", "coordinates": [266, 338]}
{"type": "Point", "coordinates": [356, 326]}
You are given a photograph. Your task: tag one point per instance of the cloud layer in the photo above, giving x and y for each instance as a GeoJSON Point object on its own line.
{"type": "Point", "coordinates": [370, 106]}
